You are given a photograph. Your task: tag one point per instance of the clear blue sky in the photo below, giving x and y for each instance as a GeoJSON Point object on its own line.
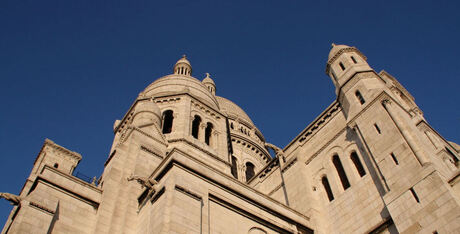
{"type": "Point", "coordinates": [68, 69]}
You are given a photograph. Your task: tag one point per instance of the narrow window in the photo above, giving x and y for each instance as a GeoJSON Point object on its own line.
{"type": "Point", "coordinates": [394, 159]}
{"type": "Point", "coordinates": [196, 126]}
{"type": "Point", "coordinates": [167, 121]}
{"type": "Point", "coordinates": [327, 188]}
{"type": "Point", "coordinates": [341, 172]}
{"type": "Point", "coordinates": [208, 133]}
{"type": "Point", "coordinates": [231, 125]}
{"type": "Point", "coordinates": [377, 128]}
{"type": "Point", "coordinates": [452, 155]}
{"type": "Point", "coordinates": [359, 167]}
{"type": "Point", "coordinates": [354, 60]}
{"type": "Point", "coordinates": [359, 97]}
{"type": "Point", "coordinates": [249, 171]}
{"type": "Point", "coordinates": [415, 195]}
{"type": "Point", "coordinates": [234, 167]}
{"type": "Point", "coordinates": [342, 66]}
{"type": "Point", "coordinates": [56, 165]}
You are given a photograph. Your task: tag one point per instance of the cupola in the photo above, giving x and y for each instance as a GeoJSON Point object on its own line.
{"type": "Point", "coordinates": [183, 67]}
{"type": "Point", "coordinates": [209, 83]}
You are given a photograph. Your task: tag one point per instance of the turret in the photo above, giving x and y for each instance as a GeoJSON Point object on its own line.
{"type": "Point", "coordinates": [209, 83]}
{"type": "Point", "coordinates": [183, 67]}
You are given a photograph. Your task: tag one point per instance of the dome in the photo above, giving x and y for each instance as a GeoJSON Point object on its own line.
{"type": "Point", "coordinates": [335, 49]}
{"type": "Point", "coordinates": [208, 80]}
{"type": "Point", "coordinates": [150, 107]}
{"type": "Point", "coordinates": [183, 60]}
{"type": "Point", "coordinates": [233, 110]}
{"type": "Point", "coordinates": [177, 84]}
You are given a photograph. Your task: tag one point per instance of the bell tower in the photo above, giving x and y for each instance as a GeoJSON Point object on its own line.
{"type": "Point", "coordinates": [356, 83]}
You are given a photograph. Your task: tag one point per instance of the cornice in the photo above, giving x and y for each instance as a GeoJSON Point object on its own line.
{"type": "Point", "coordinates": [340, 52]}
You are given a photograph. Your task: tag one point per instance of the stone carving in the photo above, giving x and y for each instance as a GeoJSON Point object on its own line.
{"type": "Point", "coordinates": [279, 152]}
{"type": "Point", "coordinates": [14, 199]}
{"type": "Point", "coordinates": [145, 182]}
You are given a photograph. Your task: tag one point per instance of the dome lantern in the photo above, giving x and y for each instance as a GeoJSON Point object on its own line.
{"type": "Point", "coordinates": [183, 67]}
{"type": "Point", "coordinates": [209, 83]}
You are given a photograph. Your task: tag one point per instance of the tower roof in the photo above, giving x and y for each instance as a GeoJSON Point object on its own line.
{"type": "Point", "coordinates": [183, 60]}
{"type": "Point", "coordinates": [335, 49]}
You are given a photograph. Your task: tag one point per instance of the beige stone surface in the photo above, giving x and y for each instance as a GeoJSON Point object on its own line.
{"type": "Point", "coordinates": [396, 173]}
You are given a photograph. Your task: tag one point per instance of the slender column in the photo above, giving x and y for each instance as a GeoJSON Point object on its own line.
{"type": "Point", "coordinates": [399, 122]}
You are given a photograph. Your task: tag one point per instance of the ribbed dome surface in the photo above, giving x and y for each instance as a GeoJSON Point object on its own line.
{"type": "Point", "coordinates": [175, 84]}
{"type": "Point", "coordinates": [233, 110]}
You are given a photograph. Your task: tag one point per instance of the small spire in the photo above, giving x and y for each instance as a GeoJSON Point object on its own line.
{"type": "Point", "coordinates": [184, 56]}
{"type": "Point", "coordinates": [207, 75]}
{"type": "Point", "coordinates": [333, 44]}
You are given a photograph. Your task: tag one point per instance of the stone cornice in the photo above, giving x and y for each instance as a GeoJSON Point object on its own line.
{"type": "Point", "coordinates": [59, 148]}
{"type": "Point", "coordinates": [201, 149]}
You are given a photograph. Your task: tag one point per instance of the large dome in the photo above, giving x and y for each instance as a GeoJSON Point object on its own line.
{"type": "Point", "coordinates": [233, 110]}
{"type": "Point", "coordinates": [175, 84]}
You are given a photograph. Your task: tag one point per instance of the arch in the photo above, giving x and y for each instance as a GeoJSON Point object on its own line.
{"type": "Point", "coordinates": [234, 168]}
{"type": "Point", "coordinates": [249, 171]}
{"type": "Point", "coordinates": [196, 126]}
{"type": "Point", "coordinates": [360, 97]}
{"type": "Point", "coordinates": [341, 172]}
{"type": "Point", "coordinates": [359, 166]}
{"type": "Point", "coordinates": [327, 187]}
{"type": "Point", "coordinates": [256, 230]}
{"type": "Point", "coordinates": [168, 119]}
{"type": "Point", "coordinates": [208, 133]}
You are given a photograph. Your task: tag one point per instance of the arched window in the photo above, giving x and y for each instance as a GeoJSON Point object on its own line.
{"type": "Point", "coordinates": [231, 125]}
{"type": "Point", "coordinates": [341, 171]}
{"type": "Point", "coordinates": [234, 167]}
{"type": "Point", "coordinates": [208, 133]}
{"type": "Point", "coordinates": [249, 171]}
{"type": "Point", "coordinates": [167, 121]}
{"type": "Point", "coordinates": [359, 167]}
{"type": "Point", "coordinates": [327, 188]}
{"type": "Point", "coordinates": [359, 97]}
{"type": "Point", "coordinates": [196, 126]}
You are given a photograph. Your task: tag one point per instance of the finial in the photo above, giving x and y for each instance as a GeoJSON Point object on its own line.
{"type": "Point", "coordinates": [333, 44]}
{"type": "Point", "coordinates": [207, 75]}
{"type": "Point", "coordinates": [184, 56]}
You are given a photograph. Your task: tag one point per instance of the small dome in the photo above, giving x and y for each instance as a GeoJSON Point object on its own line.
{"type": "Point", "coordinates": [183, 60]}
{"type": "Point", "coordinates": [183, 67]}
{"type": "Point", "coordinates": [335, 49]}
{"type": "Point", "coordinates": [149, 107]}
{"type": "Point", "coordinates": [208, 80]}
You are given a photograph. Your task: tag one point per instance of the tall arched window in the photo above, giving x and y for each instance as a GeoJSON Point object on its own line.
{"type": "Point", "coordinates": [341, 171]}
{"type": "Point", "coordinates": [167, 121]}
{"type": "Point", "coordinates": [208, 133]}
{"type": "Point", "coordinates": [196, 126]}
{"type": "Point", "coordinates": [360, 97]}
{"type": "Point", "coordinates": [249, 171]}
{"type": "Point", "coordinates": [234, 167]}
{"type": "Point", "coordinates": [359, 167]}
{"type": "Point", "coordinates": [327, 188]}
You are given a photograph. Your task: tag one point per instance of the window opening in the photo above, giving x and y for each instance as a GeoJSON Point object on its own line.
{"type": "Point", "coordinates": [327, 188]}
{"type": "Point", "coordinates": [167, 121]}
{"type": "Point", "coordinates": [342, 66]}
{"type": "Point", "coordinates": [377, 128]}
{"type": "Point", "coordinates": [354, 157]}
{"type": "Point", "coordinates": [354, 60]}
{"type": "Point", "coordinates": [452, 155]}
{"type": "Point", "coordinates": [394, 159]}
{"type": "Point", "coordinates": [56, 165]}
{"type": "Point", "coordinates": [415, 195]}
{"type": "Point", "coordinates": [231, 125]}
{"type": "Point", "coordinates": [196, 126]}
{"type": "Point", "coordinates": [341, 172]}
{"type": "Point", "coordinates": [249, 171]}
{"type": "Point", "coordinates": [234, 167]}
{"type": "Point", "coordinates": [208, 133]}
{"type": "Point", "coordinates": [359, 97]}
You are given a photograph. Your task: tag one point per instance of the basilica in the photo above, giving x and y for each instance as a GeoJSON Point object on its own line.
{"type": "Point", "coordinates": [184, 160]}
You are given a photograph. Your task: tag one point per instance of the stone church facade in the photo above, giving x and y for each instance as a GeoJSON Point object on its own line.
{"type": "Point", "coordinates": [184, 160]}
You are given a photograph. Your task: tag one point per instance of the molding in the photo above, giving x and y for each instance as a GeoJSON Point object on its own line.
{"type": "Point", "coordinates": [275, 189]}
{"type": "Point", "coordinates": [340, 52]}
{"type": "Point", "coordinates": [42, 208]}
{"type": "Point", "coordinates": [289, 164]}
{"type": "Point", "coordinates": [150, 151]}
{"type": "Point", "coordinates": [201, 149]}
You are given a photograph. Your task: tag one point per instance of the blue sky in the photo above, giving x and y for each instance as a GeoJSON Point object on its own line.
{"type": "Point", "coordinates": [68, 69]}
